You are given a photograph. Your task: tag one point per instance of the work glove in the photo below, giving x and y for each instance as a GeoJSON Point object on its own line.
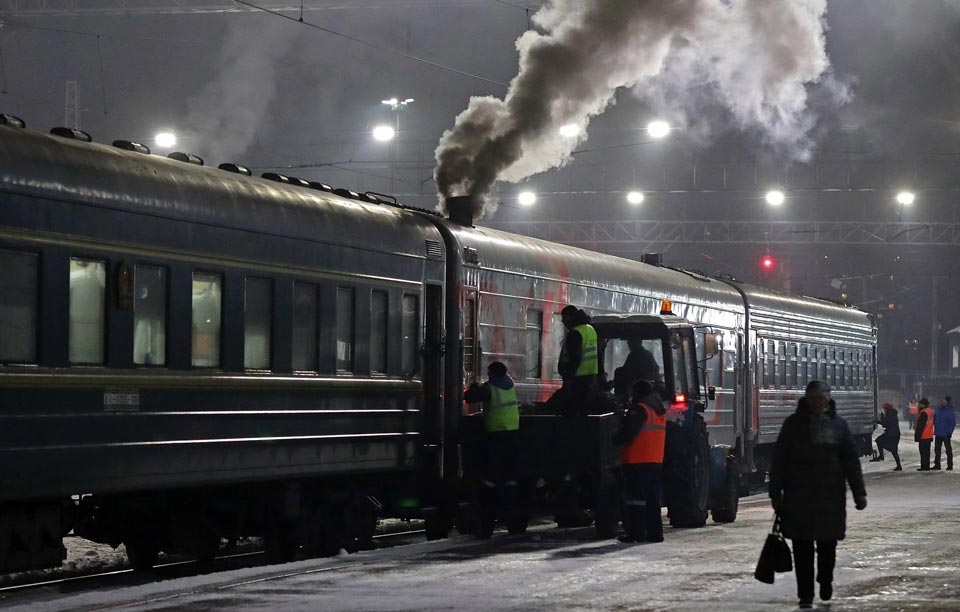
{"type": "Point", "coordinates": [860, 501]}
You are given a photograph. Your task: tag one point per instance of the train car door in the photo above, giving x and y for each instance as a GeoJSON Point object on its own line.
{"type": "Point", "coordinates": [433, 421]}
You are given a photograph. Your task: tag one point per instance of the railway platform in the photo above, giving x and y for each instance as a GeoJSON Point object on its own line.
{"type": "Point", "coordinates": [900, 554]}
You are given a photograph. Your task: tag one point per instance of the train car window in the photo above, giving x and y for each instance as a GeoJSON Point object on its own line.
{"type": "Point", "coordinates": [305, 329]}
{"type": "Point", "coordinates": [822, 364]}
{"type": "Point", "coordinates": [345, 329]}
{"type": "Point", "coordinates": [533, 358]}
{"type": "Point", "coordinates": [207, 305]}
{"type": "Point", "coordinates": [841, 370]}
{"type": "Point", "coordinates": [88, 280]}
{"type": "Point", "coordinates": [409, 326]}
{"type": "Point", "coordinates": [257, 313]}
{"type": "Point", "coordinates": [378, 332]}
{"type": "Point", "coordinates": [469, 341]}
{"type": "Point", "coordinates": [711, 365]}
{"type": "Point", "coordinates": [782, 365]}
{"type": "Point", "coordinates": [802, 366]}
{"type": "Point", "coordinates": [150, 315]}
{"type": "Point", "coordinates": [848, 369]}
{"type": "Point", "coordinates": [831, 360]}
{"type": "Point", "coordinates": [18, 307]}
{"type": "Point", "coordinates": [552, 345]}
{"type": "Point", "coordinates": [729, 369]}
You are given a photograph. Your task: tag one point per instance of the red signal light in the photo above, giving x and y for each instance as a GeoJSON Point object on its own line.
{"type": "Point", "coordinates": [767, 262]}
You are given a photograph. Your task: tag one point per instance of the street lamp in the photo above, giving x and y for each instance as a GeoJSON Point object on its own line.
{"type": "Point", "coordinates": [396, 103]}
{"type": "Point", "coordinates": [905, 198]}
{"type": "Point", "coordinates": [383, 133]}
{"type": "Point", "coordinates": [165, 140]}
{"type": "Point", "coordinates": [635, 197]}
{"type": "Point", "coordinates": [658, 129]}
{"type": "Point", "coordinates": [571, 130]}
{"type": "Point", "coordinates": [775, 197]}
{"type": "Point", "coordinates": [527, 198]}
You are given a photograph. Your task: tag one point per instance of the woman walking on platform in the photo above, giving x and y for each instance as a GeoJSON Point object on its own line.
{"type": "Point", "coordinates": [890, 438]}
{"type": "Point", "coordinates": [814, 460]}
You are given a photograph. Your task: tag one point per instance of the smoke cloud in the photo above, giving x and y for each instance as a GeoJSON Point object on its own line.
{"type": "Point", "coordinates": [756, 58]}
{"type": "Point", "coordinates": [228, 112]}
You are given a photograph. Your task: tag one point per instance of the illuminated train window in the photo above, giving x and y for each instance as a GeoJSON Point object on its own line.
{"type": "Point", "coordinates": [207, 304]}
{"type": "Point", "coordinates": [378, 332]}
{"type": "Point", "coordinates": [18, 307]}
{"type": "Point", "coordinates": [345, 329]}
{"type": "Point", "coordinates": [150, 316]}
{"type": "Point", "coordinates": [409, 326]}
{"type": "Point", "coordinates": [88, 280]}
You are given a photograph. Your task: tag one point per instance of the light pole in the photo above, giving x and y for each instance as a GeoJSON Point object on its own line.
{"type": "Point", "coordinates": [396, 105]}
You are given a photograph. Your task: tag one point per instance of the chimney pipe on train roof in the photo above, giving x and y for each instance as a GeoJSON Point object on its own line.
{"type": "Point", "coordinates": [654, 259]}
{"type": "Point", "coordinates": [460, 209]}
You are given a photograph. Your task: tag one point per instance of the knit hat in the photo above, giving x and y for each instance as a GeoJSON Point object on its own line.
{"type": "Point", "coordinates": [948, 398]}
{"type": "Point", "coordinates": [888, 406]}
{"type": "Point", "coordinates": [924, 401]}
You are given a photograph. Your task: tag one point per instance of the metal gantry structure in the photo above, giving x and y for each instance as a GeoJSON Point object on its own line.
{"type": "Point", "coordinates": [637, 236]}
{"type": "Point", "coordinates": [47, 8]}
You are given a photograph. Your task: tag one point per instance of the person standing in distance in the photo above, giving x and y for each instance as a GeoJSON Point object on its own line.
{"type": "Point", "coordinates": [814, 460]}
{"type": "Point", "coordinates": [923, 433]}
{"type": "Point", "coordinates": [944, 422]}
{"type": "Point", "coordinates": [643, 434]}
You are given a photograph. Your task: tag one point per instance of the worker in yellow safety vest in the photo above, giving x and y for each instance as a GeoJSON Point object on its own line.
{"type": "Point", "coordinates": [501, 424]}
{"type": "Point", "coordinates": [579, 362]}
{"type": "Point", "coordinates": [643, 434]}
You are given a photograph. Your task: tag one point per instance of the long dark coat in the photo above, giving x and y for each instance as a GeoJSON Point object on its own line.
{"type": "Point", "coordinates": [813, 461]}
{"type": "Point", "coordinates": [890, 438]}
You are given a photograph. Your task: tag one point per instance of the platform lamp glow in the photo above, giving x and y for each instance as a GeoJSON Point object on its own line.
{"type": "Point", "coordinates": [165, 140]}
{"type": "Point", "coordinates": [383, 133]}
{"type": "Point", "coordinates": [905, 198]}
{"type": "Point", "coordinates": [527, 198]}
{"type": "Point", "coordinates": [658, 129]}
{"type": "Point", "coordinates": [635, 197]}
{"type": "Point", "coordinates": [775, 197]}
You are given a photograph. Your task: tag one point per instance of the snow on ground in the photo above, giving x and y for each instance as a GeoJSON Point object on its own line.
{"type": "Point", "coordinates": [900, 554]}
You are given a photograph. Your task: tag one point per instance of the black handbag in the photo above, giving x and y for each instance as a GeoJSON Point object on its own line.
{"type": "Point", "coordinates": [775, 556]}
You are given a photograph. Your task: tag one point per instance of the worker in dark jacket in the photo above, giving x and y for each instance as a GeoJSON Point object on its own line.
{"type": "Point", "coordinates": [814, 460]}
{"type": "Point", "coordinates": [923, 433]}
{"type": "Point", "coordinates": [944, 422]}
{"type": "Point", "coordinates": [890, 438]}
{"type": "Point", "coordinates": [643, 434]}
{"type": "Point", "coordinates": [501, 423]}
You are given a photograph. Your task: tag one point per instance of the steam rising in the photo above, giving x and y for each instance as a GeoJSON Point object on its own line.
{"type": "Point", "coordinates": [756, 56]}
{"type": "Point", "coordinates": [227, 113]}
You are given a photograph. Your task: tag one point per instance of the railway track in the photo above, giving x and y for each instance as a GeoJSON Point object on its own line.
{"type": "Point", "coordinates": [166, 571]}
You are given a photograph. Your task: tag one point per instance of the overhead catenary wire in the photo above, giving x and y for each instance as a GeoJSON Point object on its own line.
{"type": "Point", "coordinates": [370, 44]}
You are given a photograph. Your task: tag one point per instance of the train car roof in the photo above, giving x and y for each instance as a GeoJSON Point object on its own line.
{"type": "Point", "coordinates": [773, 304]}
{"type": "Point", "coordinates": [531, 256]}
{"type": "Point", "coordinates": [42, 165]}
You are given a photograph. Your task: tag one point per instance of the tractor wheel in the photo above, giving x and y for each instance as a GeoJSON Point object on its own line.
{"type": "Point", "coordinates": [726, 505]}
{"type": "Point", "coordinates": [690, 497]}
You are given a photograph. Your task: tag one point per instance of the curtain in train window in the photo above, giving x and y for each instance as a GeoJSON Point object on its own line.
{"type": "Point", "coordinates": [257, 313]}
{"type": "Point", "coordinates": [831, 359]}
{"type": "Point", "coordinates": [781, 365]}
{"type": "Point", "coordinates": [18, 307]}
{"type": "Point", "coordinates": [88, 281]}
{"type": "Point", "coordinates": [791, 365]}
{"type": "Point", "coordinates": [848, 371]}
{"type": "Point", "coordinates": [533, 357]}
{"type": "Point", "coordinates": [378, 332]}
{"type": "Point", "coordinates": [802, 358]}
{"type": "Point", "coordinates": [409, 327]}
{"type": "Point", "coordinates": [206, 320]}
{"type": "Point", "coordinates": [150, 316]}
{"type": "Point", "coordinates": [305, 317]}
{"type": "Point", "coordinates": [345, 329]}
{"type": "Point", "coordinates": [769, 373]}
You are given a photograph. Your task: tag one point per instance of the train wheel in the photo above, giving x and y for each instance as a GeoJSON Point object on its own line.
{"type": "Point", "coordinates": [726, 506]}
{"type": "Point", "coordinates": [142, 551]}
{"type": "Point", "coordinates": [437, 526]}
{"type": "Point", "coordinates": [691, 491]}
{"type": "Point", "coordinates": [280, 543]}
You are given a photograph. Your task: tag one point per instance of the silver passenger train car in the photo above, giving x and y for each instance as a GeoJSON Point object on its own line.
{"type": "Point", "coordinates": [190, 354]}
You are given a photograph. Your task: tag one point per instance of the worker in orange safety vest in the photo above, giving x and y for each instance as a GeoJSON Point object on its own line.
{"type": "Point", "coordinates": [923, 433]}
{"type": "Point", "coordinates": [643, 434]}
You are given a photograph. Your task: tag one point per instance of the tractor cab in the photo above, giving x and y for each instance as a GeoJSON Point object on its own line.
{"type": "Point", "coordinates": [660, 349]}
